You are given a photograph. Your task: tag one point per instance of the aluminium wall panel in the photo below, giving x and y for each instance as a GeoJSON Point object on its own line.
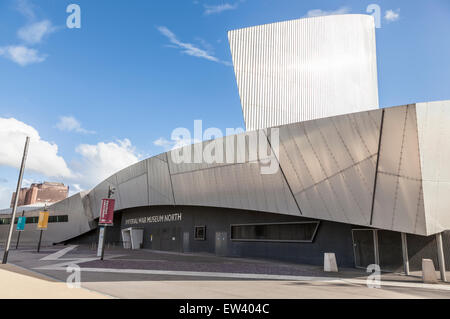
{"type": "Point", "coordinates": [398, 205]}
{"type": "Point", "coordinates": [434, 135]}
{"type": "Point", "coordinates": [234, 186]}
{"type": "Point", "coordinates": [305, 69]}
{"type": "Point", "coordinates": [134, 192]}
{"type": "Point", "coordinates": [131, 171]}
{"type": "Point", "coordinates": [159, 182]}
{"type": "Point", "coordinates": [330, 165]}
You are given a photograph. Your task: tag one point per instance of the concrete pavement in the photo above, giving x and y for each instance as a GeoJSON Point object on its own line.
{"type": "Point", "coordinates": [150, 274]}
{"type": "Point", "coordinates": [247, 290]}
{"type": "Point", "coordinates": [17, 283]}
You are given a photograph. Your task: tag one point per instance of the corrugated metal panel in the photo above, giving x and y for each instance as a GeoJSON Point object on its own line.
{"type": "Point", "coordinates": [305, 69]}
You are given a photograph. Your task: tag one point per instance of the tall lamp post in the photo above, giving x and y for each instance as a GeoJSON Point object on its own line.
{"type": "Point", "coordinates": [103, 215]}
{"type": "Point", "coordinates": [16, 200]}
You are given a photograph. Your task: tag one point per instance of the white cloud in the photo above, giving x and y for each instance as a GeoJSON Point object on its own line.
{"type": "Point", "coordinates": [5, 197]}
{"type": "Point", "coordinates": [32, 33]}
{"type": "Point", "coordinates": [27, 182]}
{"type": "Point", "coordinates": [188, 48]}
{"type": "Point", "coordinates": [164, 143]}
{"type": "Point", "coordinates": [25, 8]}
{"type": "Point", "coordinates": [319, 12]}
{"type": "Point", "coordinates": [392, 15]}
{"type": "Point", "coordinates": [22, 55]}
{"type": "Point", "coordinates": [75, 189]}
{"type": "Point", "coordinates": [219, 8]}
{"type": "Point", "coordinates": [95, 163]}
{"type": "Point", "coordinates": [71, 124]}
{"type": "Point", "coordinates": [104, 159]}
{"type": "Point", "coordinates": [42, 155]}
{"type": "Point", "coordinates": [174, 144]}
{"type": "Point", "coordinates": [35, 32]}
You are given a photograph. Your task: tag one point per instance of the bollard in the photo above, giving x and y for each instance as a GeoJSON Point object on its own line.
{"type": "Point", "coordinates": [428, 272]}
{"type": "Point", "coordinates": [329, 263]}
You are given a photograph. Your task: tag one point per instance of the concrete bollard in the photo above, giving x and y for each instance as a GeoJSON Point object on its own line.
{"type": "Point", "coordinates": [428, 272]}
{"type": "Point", "coordinates": [329, 263]}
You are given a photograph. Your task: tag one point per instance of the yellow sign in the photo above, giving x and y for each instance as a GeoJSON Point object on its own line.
{"type": "Point", "coordinates": [43, 220]}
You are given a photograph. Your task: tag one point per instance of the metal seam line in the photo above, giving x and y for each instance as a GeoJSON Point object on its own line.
{"type": "Point", "coordinates": [343, 177]}
{"type": "Point", "coordinates": [418, 207]}
{"type": "Point", "coordinates": [148, 185]}
{"type": "Point", "coordinates": [282, 172]}
{"type": "Point", "coordinates": [400, 176]}
{"type": "Point", "coordinates": [377, 165]}
{"type": "Point", "coordinates": [295, 171]}
{"type": "Point", "coordinates": [397, 186]}
{"type": "Point", "coordinates": [309, 172]}
{"type": "Point", "coordinates": [171, 184]}
{"type": "Point", "coordinates": [323, 171]}
{"type": "Point", "coordinates": [337, 173]}
{"type": "Point", "coordinates": [353, 124]}
{"type": "Point", "coordinates": [420, 171]}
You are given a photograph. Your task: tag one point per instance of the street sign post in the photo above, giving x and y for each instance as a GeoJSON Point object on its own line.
{"type": "Point", "coordinates": [20, 227]}
{"type": "Point", "coordinates": [21, 223]}
{"type": "Point", "coordinates": [16, 201]}
{"type": "Point", "coordinates": [43, 220]}
{"type": "Point", "coordinates": [106, 219]}
{"type": "Point", "coordinates": [107, 212]}
{"type": "Point", "coordinates": [42, 225]}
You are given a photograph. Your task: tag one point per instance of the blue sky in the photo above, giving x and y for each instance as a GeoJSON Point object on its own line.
{"type": "Point", "coordinates": [100, 96]}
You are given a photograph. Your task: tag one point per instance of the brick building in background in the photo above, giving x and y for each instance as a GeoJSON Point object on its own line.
{"type": "Point", "coordinates": [46, 192]}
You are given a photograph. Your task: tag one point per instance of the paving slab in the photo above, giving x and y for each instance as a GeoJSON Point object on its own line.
{"type": "Point", "coordinates": [19, 284]}
{"type": "Point", "coordinates": [155, 274]}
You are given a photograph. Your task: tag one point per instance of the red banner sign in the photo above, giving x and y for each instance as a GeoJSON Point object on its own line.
{"type": "Point", "coordinates": [107, 212]}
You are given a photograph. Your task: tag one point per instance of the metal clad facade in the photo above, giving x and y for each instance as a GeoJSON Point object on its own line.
{"type": "Point", "coordinates": [305, 69]}
{"type": "Point", "coordinates": [433, 122]}
{"type": "Point", "coordinates": [398, 201]}
{"type": "Point", "coordinates": [328, 170]}
{"type": "Point", "coordinates": [330, 165]}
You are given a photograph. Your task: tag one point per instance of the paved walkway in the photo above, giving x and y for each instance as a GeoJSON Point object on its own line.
{"type": "Point", "coordinates": [17, 282]}
{"type": "Point", "coordinates": [151, 274]}
{"type": "Point", "coordinates": [246, 290]}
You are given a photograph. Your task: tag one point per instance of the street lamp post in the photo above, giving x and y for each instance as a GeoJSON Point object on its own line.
{"type": "Point", "coordinates": [16, 200]}
{"type": "Point", "coordinates": [103, 228]}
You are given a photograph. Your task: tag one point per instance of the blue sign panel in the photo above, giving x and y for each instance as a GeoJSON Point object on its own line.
{"type": "Point", "coordinates": [21, 223]}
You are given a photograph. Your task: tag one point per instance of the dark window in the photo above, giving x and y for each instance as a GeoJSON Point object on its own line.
{"type": "Point", "coordinates": [35, 219]}
{"type": "Point", "coordinates": [32, 220]}
{"type": "Point", "coordinates": [200, 233]}
{"type": "Point", "coordinates": [58, 219]}
{"type": "Point", "coordinates": [289, 232]}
